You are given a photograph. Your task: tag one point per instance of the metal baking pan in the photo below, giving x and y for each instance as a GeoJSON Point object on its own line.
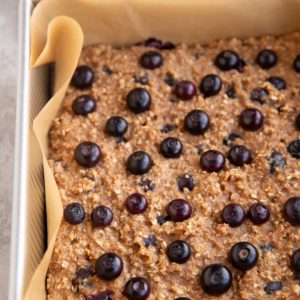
{"type": "Point", "coordinates": [28, 212]}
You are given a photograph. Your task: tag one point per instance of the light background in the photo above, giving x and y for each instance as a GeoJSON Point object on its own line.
{"type": "Point", "coordinates": [8, 78]}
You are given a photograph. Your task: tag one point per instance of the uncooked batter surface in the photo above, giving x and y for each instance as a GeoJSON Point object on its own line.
{"type": "Point", "coordinates": [141, 240]}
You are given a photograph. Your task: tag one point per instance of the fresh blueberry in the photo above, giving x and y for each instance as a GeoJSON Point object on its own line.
{"type": "Point", "coordinates": [138, 100]}
{"type": "Point", "coordinates": [216, 279]}
{"type": "Point", "coordinates": [185, 90]}
{"type": "Point", "coordinates": [227, 60]}
{"type": "Point", "coordinates": [171, 147]}
{"type": "Point", "coordinates": [210, 85]}
{"type": "Point", "coordinates": [259, 213]}
{"type": "Point", "coordinates": [196, 122]}
{"type": "Point", "coordinates": [292, 210]}
{"type": "Point", "coordinates": [243, 256]}
{"type": "Point", "coordinates": [83, 105]}
{"type": "Point", "coordinates": [179, 252]}
{"type": "Point", "coordinates": [74, 213]}
{"type": "Point", "coordinates": [87, 154]}
{"type": "Point", "coordinates": [239, 155]}
{"type": "Point", "coordinates": [116, 126]}
{"type": "Point", "coordinates": [136, 203]}
{"type": "Point", "coordinates": [83, 77]}
{"type": "Point", "coordinates": [296, 64]}
{"type": "Point", "coordinates": [266, 59]}
{"type": "Point", "coordinates": [151, 60]}
{"type": "Point", "coordinates": [231, 92]}
{"type": "Point", "coordinates": [251, 119]}
{"type": "Point", "coordinates": [137, 288]}
{"type": "Point", "coordinates": [277, 82]}
{"type": "Point", "coordinates": [294, 149]}
{"type": "Point", "coordinates": [295, 260]}
{"type": "Point", "coordinates": [273, 286]}
{"type": "Point", "coordinates": [109, 266]}
{"type": "Point", "coordinates": [212, 161]}
{"type": "Point", "coordinates": [233, 215]}
{"type": "Point", "coordinates": [101, 216]}
{"type": "Point", "coordinates": [139, 163]}
{"type": "Point", "coordinates": [179, 210]}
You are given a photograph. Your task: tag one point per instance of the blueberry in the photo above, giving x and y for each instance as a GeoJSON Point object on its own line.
{"type": "Point", "coordinates": [273, 286]}
{"type": "Point", "coordinates": [150, 241]}
{"type": "Point", "coordinates": [74, 213]}
{"type": "Point", "coordinates": [161, 219]}
{"type": "Point", "coordinates": [292, 210]}
{"type": "Point", "coordinates": [210, 85]}
{"type": "Point", "coordinates": [259, 95]}
{"type": "Point", "coordinates": [116, 126]}
{"type": "Point", "coordinates": [276, 160]}
{"type": "Point", "coordinates": [139, 163]}
{"type": "Point", "coordinates": [104, 295]}
{"type": "Point", "coordinates": [251, 119]}
{"type": "Point", "coordinates": [295, 260]}
{"type": "Point", "coordinates": [179, 210]}
{"type": "Point", "coordinates": [294, 149]}
{"type": "Point", "coordinates": [83, 105]}
{"type": "Point", "coordinates": [266, 59]}
{"type": "Point", "coordinates": [185, 181]}
{"type": "Point", "coordinates": [231, 92]}
{"type": "Point", "coordinates": [83, 77]}
{"type": "Point", "coordinates": [243, 256]}
{"type": "Point", "coordinates": [277, 82]}
{"type": "Point", "coordinates": [216, 279]}
{"type": "Point", "coordinates": [171, 147]}
{"type": "Point", "coordinates": [151, 60]}
{"type": "Point", "coordinates": [167, 46]}
{"type": "Point", "coordinates": [179, 252]}
{"type": "Point", "coordinates": [212, 161]}
{"type": "Point", "coordinates": [101, 216]}
{"type": "Point", "coordinates": [259, 213]}
{"type": "Point", "coordinates": [87, 154]}
{"type": "Point", "coordinates": [233, 215]}
{"type": "Point", "coordinates": [152, 42]}
{"type": "Point", "coordinates": [109, 266]}
{"type": "Point", "coordinates": [136, 203]}
{"type": "Point", "coordinates": [185, 90]}
{"type": "Point", "coordinates": [227, 60]}
{"type": "Point", "coordinates": [196, 122]}
{"type": "Point", "coordinates": [168, 128]}
{"type": "Point", "coordinates": [138, 100]}
{"type": "Point", "coordinates": [170, 80]}
{"type": "Point", "coordinates": [296, 64]}
{"type": "Point", "coordinates": [137, 288]}
{"type": "Point", "coordinates": [239, 155]}
{"type": "Point", "coordinates": [297, 122]}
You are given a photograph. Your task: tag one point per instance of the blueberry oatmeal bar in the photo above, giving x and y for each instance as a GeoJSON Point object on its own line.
{"type": "Point", "coordinates": [179, 171]}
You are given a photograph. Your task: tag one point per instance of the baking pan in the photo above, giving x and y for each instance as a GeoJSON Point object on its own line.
{"type": "Point", "coordinates": [28, 214]}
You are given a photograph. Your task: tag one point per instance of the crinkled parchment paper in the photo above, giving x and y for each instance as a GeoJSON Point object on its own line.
{"type": "Point", "coordinates": [59, 29]}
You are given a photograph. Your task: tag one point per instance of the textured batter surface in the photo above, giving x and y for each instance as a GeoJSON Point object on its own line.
{"type": "Point", "coordinates": [109, 183]}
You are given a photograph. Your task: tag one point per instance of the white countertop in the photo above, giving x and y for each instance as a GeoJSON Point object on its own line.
{"type": "Point", "coordinates": [8, 75]}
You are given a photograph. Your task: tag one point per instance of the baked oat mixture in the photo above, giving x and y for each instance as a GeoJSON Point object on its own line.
{"type": "Point", "coordinates": [179, 171]}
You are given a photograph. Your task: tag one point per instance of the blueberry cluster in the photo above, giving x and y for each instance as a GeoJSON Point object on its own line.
{"type": "Point", "coordinates": [215, 279]}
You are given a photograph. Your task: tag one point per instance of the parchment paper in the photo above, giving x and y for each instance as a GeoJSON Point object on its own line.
{"type": "Point", "coordinates": [59, 29]}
